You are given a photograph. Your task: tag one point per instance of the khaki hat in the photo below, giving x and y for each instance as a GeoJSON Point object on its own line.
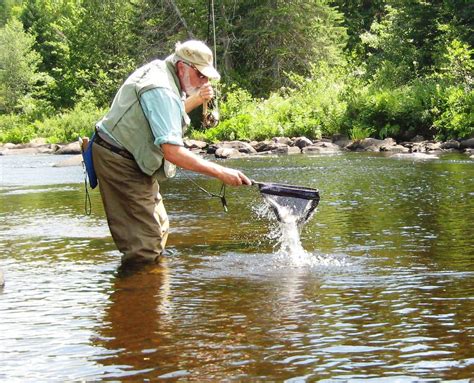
{"type": "Point", "coordinates": [197, 53]}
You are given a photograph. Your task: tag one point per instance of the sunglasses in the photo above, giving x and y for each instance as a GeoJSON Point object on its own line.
{"type": "Point", "coordinates": [200, 75]}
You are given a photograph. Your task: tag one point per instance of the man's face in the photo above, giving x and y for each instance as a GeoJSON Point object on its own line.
{"type": "Point", "coordinates": [190, 78]}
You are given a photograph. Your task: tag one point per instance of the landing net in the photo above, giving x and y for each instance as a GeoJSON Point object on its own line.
{"type": "Point", "coordinates": [290, 203]}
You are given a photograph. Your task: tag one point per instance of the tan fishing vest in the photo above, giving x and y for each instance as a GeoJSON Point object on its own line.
{"type": "Point", "coordinates": [128, 125]}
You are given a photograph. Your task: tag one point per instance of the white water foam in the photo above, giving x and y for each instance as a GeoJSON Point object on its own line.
{"type": "Point", "coordinates": [287, 232]}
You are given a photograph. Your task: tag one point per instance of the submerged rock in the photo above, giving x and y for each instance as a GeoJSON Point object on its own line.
{"type": "Point", "coordinates": [2, 278]}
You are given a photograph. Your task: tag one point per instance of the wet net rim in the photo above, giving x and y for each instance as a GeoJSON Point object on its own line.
{"type": "Point", "coordinates": [285, 190]}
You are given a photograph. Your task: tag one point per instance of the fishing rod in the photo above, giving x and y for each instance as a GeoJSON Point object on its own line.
{"type": "Point", "coordinates": [210, 109]}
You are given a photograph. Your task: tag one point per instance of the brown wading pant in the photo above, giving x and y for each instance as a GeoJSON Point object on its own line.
{"type": "Point", "coordinates": [135, 212]}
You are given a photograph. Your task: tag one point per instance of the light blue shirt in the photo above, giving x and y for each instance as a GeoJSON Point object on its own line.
{"type": "Point", "coordinates": [164, 111]}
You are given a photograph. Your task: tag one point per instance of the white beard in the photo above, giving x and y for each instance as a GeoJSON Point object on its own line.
{"type": "Point", "coordinates": [192, 92]}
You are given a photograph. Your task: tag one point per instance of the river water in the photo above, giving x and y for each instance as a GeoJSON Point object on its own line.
{"type": "Point", "coordinates": [386, 292]}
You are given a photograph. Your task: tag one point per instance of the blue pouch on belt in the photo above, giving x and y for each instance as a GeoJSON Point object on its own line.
{"type": "Point", "coordinates": [88, 161]}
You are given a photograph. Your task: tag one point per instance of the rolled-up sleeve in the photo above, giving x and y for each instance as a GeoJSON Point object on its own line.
{"type": "Point", "coordinates": [164, 111]}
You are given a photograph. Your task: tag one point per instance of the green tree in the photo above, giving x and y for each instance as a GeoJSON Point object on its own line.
{"type": "Point", "coordinates": [101, 46]}
{"type": "Point", "coordinates": [276, 36]}
{"type": "Point", "coordinates": [7, 10]}
{"type": "Point", "coordinates": [460, 15]}
{"type": "Point", "coordinates": [18, 65]}
{"type": "Point", "coordinates": [408, 38]}
{"type": "Point", "coordinates": [157, 25]}
{"type": "Point", "coordinates": [358, 17]}
{"type": "Point", "coordinates": [52, 23]}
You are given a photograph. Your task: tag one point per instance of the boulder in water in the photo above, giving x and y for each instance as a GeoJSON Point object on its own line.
{"type": "Point", "coordinates": [72, 148]}
{"type": "Point", "coordinates": [466, 144]}
{"type": "Point", "coordinates": [228, 153]}
{"type": "Point", "coordinates": [195, 144]}
{"type": "Point", "coordinates": [72, 161]}
{"type": "Point", "coordinates": [302, 142]}
{"type": "Point", "coordinates": [451, 144]}
{"type": "Point", "coordinates": [283, 140]}
{"type": "Point", "coordinates": [242, 147]}
{"type": "Point", "coordinates": [322, 147]}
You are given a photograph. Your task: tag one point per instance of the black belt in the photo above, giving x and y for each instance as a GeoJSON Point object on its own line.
{"type": "Point", "coordinates": [123, 152]}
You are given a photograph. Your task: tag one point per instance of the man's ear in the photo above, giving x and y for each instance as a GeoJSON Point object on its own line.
{"type": "Point", "coordinates": [180, 66]}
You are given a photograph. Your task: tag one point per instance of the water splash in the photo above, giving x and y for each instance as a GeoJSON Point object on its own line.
{"type": "Point", "coordinates": [287, 233]}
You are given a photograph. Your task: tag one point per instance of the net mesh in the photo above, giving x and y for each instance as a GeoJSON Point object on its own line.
{"type": "Point", "coordinates": [290, 203]}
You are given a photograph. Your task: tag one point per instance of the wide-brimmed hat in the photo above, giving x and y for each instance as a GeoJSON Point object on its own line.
{"type": "Point", "coordinates": [197, 53]}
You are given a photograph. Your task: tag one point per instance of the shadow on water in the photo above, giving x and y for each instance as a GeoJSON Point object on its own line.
{"type": "Point", "coordinates": [382, 289]}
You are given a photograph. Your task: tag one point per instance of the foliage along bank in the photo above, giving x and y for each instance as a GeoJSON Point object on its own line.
{"type": "Point", "coordinates": [312, 68]}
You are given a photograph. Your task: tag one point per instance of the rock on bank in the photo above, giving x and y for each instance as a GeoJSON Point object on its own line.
{"type": "Point", "coordinates": [274, 146]}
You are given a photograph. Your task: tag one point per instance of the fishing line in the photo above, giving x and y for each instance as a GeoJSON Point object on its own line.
{"type": "Point", "coordinates": [87, 199]}
{"type": "Point", "coordinates": [221, 194]}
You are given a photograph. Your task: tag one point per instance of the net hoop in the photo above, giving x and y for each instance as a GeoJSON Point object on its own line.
{"type": "Point", "coordinates": [285, 190]}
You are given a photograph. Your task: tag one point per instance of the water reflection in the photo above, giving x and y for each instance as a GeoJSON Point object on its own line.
{"type": "Point", "coordinates": [139, 308]}
{"type": "Point", "coordinates": [386, 293]}
{"type": "Point", "coordinates": [243, 315]}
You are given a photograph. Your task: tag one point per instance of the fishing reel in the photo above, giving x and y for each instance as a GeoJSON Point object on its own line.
{"type": "Point", "coordinates": [210, 117]}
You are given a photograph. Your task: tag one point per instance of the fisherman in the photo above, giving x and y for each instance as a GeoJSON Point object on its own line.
{"type": "Point", "coordinates": [139, 141]}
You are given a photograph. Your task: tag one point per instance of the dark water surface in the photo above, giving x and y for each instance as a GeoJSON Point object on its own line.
{"type": "Point", "coordinates": [386, 296]}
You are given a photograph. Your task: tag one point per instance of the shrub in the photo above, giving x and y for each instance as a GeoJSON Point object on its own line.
{"type": "Point", "coordinates": [359, 132]}
{"type": "Point", "coordinates": [457, 119]}
{"type": "Point", "coordinates": [401, 113]}
{"type": "Point", "coordinates": [69, 125]}
{"type": "Point", "coordinates": [62, 127]}
{"type": "Point", "coordinates": [14, 128]}
{"type": "Point", "coordinates": [314, 107]}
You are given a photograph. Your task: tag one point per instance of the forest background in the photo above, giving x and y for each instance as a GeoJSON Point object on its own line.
{"type": "Point", "coordinates": [314, 68]}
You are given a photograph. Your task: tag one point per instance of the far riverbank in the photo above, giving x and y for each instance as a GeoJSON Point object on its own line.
{"type": "Point", "coordinates": [418, 147]}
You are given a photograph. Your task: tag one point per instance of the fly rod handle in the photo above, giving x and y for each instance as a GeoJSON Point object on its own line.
{"type": "Point", "coordinates": [204, 108]}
